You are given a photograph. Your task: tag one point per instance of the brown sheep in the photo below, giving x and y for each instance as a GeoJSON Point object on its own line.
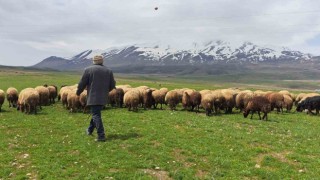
{"type": "Point", "coordinates": [218, 100]}
{"type": "Point", "coordinates": [116, 97]}
{"type": "Point", "coordinates": [259, 104]}
{"type": "Point", "coordinates": [192, 100]}
{"type": "Point", "coordinates": [159, 97]}
{"type": "Point", "coordinates": [12, 97]}
{"type": "Point", "coordinates": [288, 102]}
{"type": "Point", "coordinates": [148, 99]}
{"type": "Point", "coordinates": [2, 97]}
{"type": "Point", "coordinates": [172, 99]}
{"type": "Point", "coordinates": [73, 101]}
{"type": "Point", "coordinates": [276, 100]}
{"type": "Point", "coordinates": [242, 99]}
{"type": "Point", "coordinates": [83, 100]}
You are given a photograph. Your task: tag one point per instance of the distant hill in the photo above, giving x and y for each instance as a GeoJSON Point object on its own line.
{"type": "Point", "coordinates": [142, 59]}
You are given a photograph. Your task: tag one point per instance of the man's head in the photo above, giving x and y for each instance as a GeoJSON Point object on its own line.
{"type": "Point", "coordinates": [98, 59]}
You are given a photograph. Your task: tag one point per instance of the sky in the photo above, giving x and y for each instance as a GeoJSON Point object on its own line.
{"type": "Point", "coordinates": [32, 30]}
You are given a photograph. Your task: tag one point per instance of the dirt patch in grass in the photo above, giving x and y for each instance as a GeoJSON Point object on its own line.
{"type": "Point", "coordinates": [158, 174]}
{"type": "Point", "coordinates": [201, 174]}
{"type": "Point", "coordinates": [279, 156]}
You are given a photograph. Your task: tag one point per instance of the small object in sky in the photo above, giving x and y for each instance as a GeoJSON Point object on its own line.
{"type": "Point", "coordinates": [156, 8]}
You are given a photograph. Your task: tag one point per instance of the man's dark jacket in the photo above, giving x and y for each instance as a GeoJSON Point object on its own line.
{"type": "Point", "coordinates": [99, 81]}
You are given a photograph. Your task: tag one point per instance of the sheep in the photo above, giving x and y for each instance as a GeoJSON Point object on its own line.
{"type": "Point", "coordinates": [259, 104]}
{"type": "Point", "coordinates": [148, 99]}
{"type": "Point", "coordinates": [207, 103]}
{"type": "Point", "coordinates": [28, 100]}
{"type": "Point", "coordinates": [64, 96]}
{"type": "Point", "coordinates": [172, 99]}
{"type": "Point", "coordinates": [192, 100]}
{"type": "Point", "coordinates": [116, 97]}
{"type": "Point", "coordinates": [229, 96]}
{"type": "Point", "coordinates": [310, 103]}
{"type": "Point", "coordinates": [242, 99]}
{"type": "Point", "coordinates": [83, 100]}
{"type": "Point", "coordinates": [204, 92]}
{"type": "Point", "coordinates": [180, 94]}
{"type": "Point", "coordinates": [131, 99]}
{"type": "Point", "coordinates": [63, 88]}
{"type": "Point", "coordinates": [73, 101]}
{"type": "Point", "coordinates": [52, 93]}
{"type": "Point", "coordinates": [43, 95]}
{"type": "Point", "coordinates": [159, 97]}
{"type": "Point", "coordinates": [276, 100]}
{"type": "Point", "coordinates": [12, 96]}
{"type": "Point", "coordinates": [2, 97]}
{"type": "Point", "coordinates": [288, 102]}
{"type": "Point", "coordinates": [218, 100]}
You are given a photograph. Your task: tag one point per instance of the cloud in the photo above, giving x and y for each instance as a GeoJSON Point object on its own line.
{"type": "Point", "coordinates": [62, 28]}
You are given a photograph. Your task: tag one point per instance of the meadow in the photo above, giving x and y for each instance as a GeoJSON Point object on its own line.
{"type": "Point", "coordinates": [156, 144]}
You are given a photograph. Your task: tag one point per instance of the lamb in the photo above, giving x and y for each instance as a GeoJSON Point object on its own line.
{"type": "Point", "coordinates": [276, 100]}
{"type": "Point", "coordinates": [2, 97]}
{"type": "Point", "coordinates": [310, 103]}
{"type": "Point", "coordinates": [259, 104]}
{"type": "Point", "coordinates": [43, 95]}
{"type": "Point", "coordinates": [131, 99]}
{"type": "Point", "coordinates": [12, 96]}
{"type": "Point", "coordinates": [28, 100]}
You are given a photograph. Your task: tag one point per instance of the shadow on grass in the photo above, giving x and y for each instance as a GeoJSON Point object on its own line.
{"type": "Point", "coordinates": [122, 136]}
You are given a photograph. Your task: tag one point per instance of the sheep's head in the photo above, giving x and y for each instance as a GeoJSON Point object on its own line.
{"type": "Point", "coordinates": [300, 107]}
{"type": "Point", "coordinates": [245, 113]}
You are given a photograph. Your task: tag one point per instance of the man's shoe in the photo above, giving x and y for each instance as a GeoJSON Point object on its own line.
{"type": "Point", "coordinates": [101, 139]}
{"type": "Point", "coordinates": [88, 132]}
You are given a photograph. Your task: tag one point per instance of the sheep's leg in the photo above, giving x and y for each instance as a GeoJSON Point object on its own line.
{"type": "Point", "coordinates": [251, 114]}
{"type": "Point", "coordinates": [259, 115]}
{"type": "Point", "coordinates": [35, 109]}
{"type": "Point", "coordinates": [161, 106]}
{"type": "Point", "coordinates": [317, 111]}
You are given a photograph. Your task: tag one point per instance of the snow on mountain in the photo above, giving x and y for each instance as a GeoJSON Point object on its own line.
{"type": "Point", "coordinates": [208, 53]}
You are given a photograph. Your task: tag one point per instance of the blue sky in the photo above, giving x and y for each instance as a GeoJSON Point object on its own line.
{"type": "Point", "coordinates": [31, 30]}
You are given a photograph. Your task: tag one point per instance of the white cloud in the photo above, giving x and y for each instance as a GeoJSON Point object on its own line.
{"type": "Point", "coordinates": [62, 28]}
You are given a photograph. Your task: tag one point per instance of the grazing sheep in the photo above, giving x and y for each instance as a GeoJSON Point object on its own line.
{"type": "Point", "coordinates": [73, 101]}
{"type": "Point", "coordinates": [288, 102]}
{"type": "Point", "coordinates": [131, 99]}
{"type": "Point", "coordinates": [204, 92]}
{"type": "Point", "coordinates": [159, 97]}
{"type": "Point", "coordinates": [192, 100]}
{"type": "Point", "coordinates": [276, 100]}
{"type": "Point", "coordinates": [116, 97]}
{"type": "Point", "coordinates": [180, 94]}
{"type": "Point", "coordinates": [12, 97]}
{"type": "Point", "coordinates": [218, 100]}
{"type": "Point", "coordinates": [64, 97]}
{"type": "Point", "coordinates": [229, 96]}
{"type": "Point", "coordinates": [28, 100]}
{"type": "Point", "coordinates": [148, 99]}
{"type": "Point", "coordinates": [243, 98]}
{"type": "Point", "coordinates": [172, 99]}
{"type": "Point", "coordinates": [2, 97]}
{"type": "Point", "coordinates": [43, 95]}
{"type": "Point", "coordinates": [83, 100]}
{"type": "Point", "coordinates": [207, 103]}
{"type": "Point", "coordinates": [310, 103]}
{"type": "Point", "coordinates": [259, 104]}
{"type": "Point", "coordinates": [53, 93]}
{"type": "Point", "coordinates": [64, 87]}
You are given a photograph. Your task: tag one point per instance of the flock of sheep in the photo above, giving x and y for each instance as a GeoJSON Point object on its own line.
{"type": "Point", "coordinates": [212, 101]}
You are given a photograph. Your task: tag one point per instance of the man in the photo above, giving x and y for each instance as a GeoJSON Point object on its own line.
{"type": "Point", "coordinates": [98, 80]}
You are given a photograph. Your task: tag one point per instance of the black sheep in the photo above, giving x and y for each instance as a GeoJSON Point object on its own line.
{"type": "Point", "coordinates": [310, 103]}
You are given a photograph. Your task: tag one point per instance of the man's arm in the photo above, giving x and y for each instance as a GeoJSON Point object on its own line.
{"type": "Point", "coordinates": [83, 83]}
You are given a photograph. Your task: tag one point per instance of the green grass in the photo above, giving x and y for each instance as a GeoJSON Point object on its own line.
{"type": "Point", "coordinates": [153, 144]}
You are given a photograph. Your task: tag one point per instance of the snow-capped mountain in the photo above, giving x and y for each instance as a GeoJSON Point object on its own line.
{"type": "Point", "coordinates": [206, 54]}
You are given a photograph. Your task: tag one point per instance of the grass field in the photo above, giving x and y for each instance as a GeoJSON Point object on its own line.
{"type": "Point", "coordinates": [154, 144]}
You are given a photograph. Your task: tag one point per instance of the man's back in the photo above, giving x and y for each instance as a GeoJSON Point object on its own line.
{"type": "Point", "coordinates": [99, 81]}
